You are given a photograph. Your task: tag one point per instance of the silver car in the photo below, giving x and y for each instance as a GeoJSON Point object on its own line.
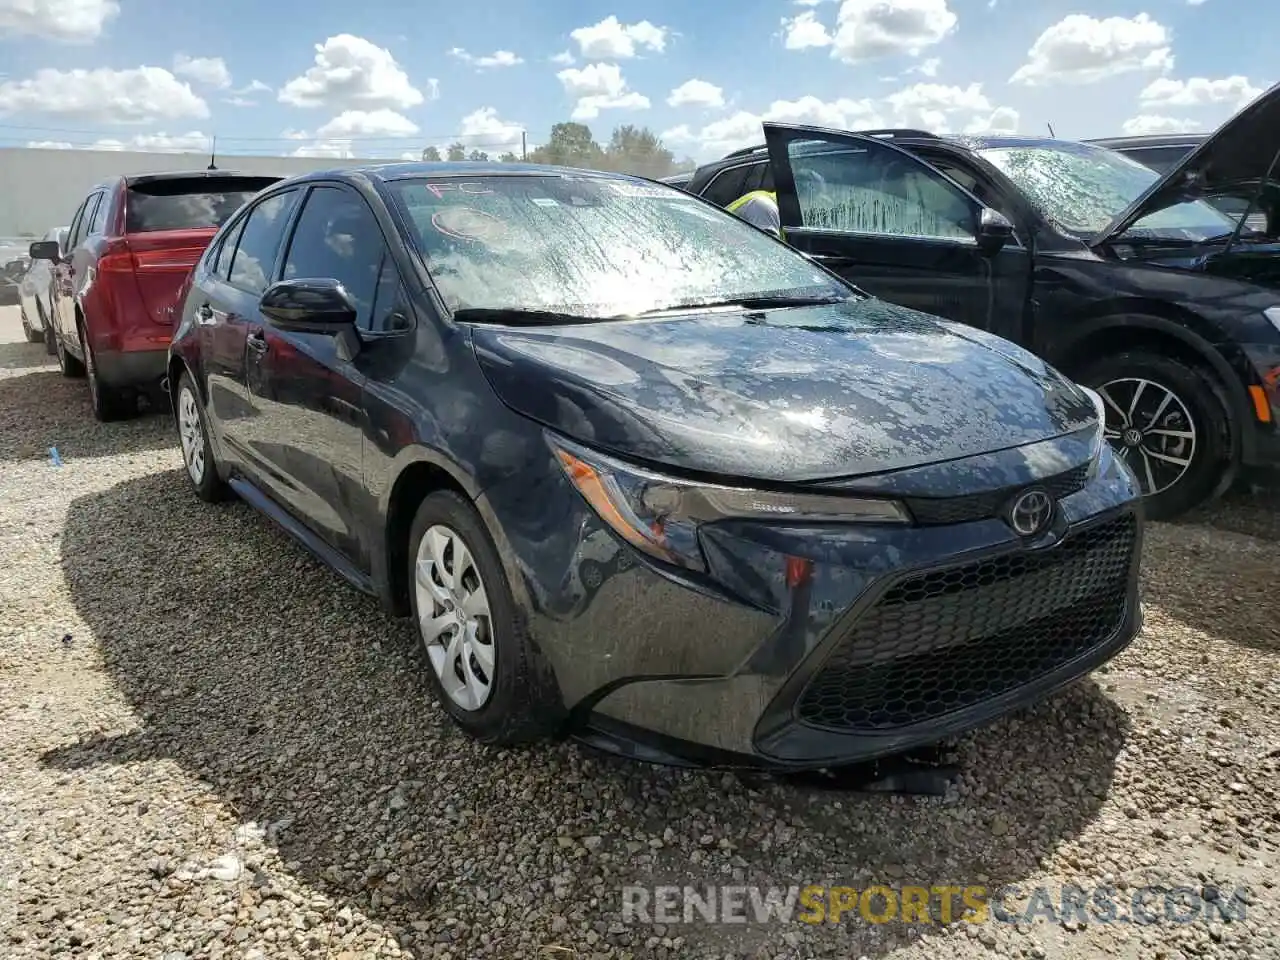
{"type": "Point", "coordinates": [35, 294]}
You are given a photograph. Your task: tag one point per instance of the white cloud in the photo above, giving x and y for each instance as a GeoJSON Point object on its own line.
{"type": "Point", "coordinates": [194, 142]}
{"type": "Point", "coordinates": [243, 97]}
{"type": "Point", "coordinates": [211, 71]}
{"type": "Point", "coordinates": [335, 149]}
{"type": "Point", "coordinates": [138, 95]}
{"type": "Point", "coordinates": [1198, 92]}
{"type": "Point", "coordinates": [70, 21]}
{"type": "Point", "coordinates": [352, 73]}
{"type": "Point", "coordinates": [940, 108]}
{"type": "Point", "coordinates": [927, 68]}
{"type": "Point", "coordinates": [804, 31]}
{"type": "Point", "coordinates": [611, 39]}
{"type": "Point", "coordinates": [1149, 123]}
{"type": "Point", "coordinates": [1001, 120]}
{"type": "Point", "coordinates": [599, 86]}
{"type": "Point", "coordinates": [564, 59]}
{"type": "Point", "coordinates": [368, 123]}
{"type": "Point", "coordinates": [484, 130]}
{"type": "Point", "coordinates": [1081, 49]}
{"type": "Point", "coordinates": [867, 29]}
{"type": "Point", "coordinates": [696, 93]}
{"type": "Point", "coordinates": [499, 58]}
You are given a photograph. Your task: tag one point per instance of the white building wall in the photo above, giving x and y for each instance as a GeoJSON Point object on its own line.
{"type": "Point", "coordinates": [40, 189]}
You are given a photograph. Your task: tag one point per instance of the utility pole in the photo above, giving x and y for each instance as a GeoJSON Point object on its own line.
{"type": "Point", "coordinates": [524, 145]}
{"type": "Point", "coordinates": [213, 154]}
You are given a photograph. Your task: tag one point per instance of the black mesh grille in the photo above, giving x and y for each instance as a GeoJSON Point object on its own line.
{"type": "Point", "coordinates": [980, 506]}
{"type": "Point", "coordinates": [945, 640]}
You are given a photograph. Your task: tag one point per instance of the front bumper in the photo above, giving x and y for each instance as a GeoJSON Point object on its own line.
{"type": "Point", "coordinates": [754, 666]}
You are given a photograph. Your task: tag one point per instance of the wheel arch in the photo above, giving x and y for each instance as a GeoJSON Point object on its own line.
{"type": "Point", "coordinates": [419, 474]}
{"type": "Point", "coordinates": [1139, 324]}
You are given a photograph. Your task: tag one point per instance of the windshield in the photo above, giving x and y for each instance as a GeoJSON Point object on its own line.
{"type": "Point", "coordinates": [1083, 188]}
{"type": "Point", "coordinates": [593, 247]}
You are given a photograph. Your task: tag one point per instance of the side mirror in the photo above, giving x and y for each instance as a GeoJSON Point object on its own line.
{"type": "Point", "coordinates": [309, 306]}
{"type": "Point", "coordinates": [45, 250]}
{"type": "Point", "coordinates": [994, 230]}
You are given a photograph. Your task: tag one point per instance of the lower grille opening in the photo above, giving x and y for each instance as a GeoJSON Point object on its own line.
{"type": "Point", "coordinates": [945, 640]}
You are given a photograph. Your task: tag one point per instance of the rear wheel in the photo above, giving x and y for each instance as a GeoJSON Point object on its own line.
{"type": "Point", "coordinates": [1168, 422]}
{"type": "Point", "coordinates": [197, 448]}
{"type": "Point", "coordinates": [109, 403]}
{"type": "Point", "coordinates": [484, 668]}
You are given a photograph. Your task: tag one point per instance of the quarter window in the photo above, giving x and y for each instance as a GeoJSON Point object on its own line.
{"type": "Point", "coordinates": [872, 188]}
{"type": "Point", "coordinates": [259, 241]}
{"type": "Point", "coordinates": [99, 216]}
{"type": "Point", "coordinates": [82, 225]}
{"type": "Point", "coordinates": [338, 238]}
{"type": "Point", "coordinates": [729, 184]}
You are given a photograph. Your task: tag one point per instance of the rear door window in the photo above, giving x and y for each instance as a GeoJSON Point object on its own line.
{"type": "Point", "coordinates": [81, 229]}
{"type": "Point", "coordinates": [254, 261]}
{"type": "Point", "coordinates": [185, 203]}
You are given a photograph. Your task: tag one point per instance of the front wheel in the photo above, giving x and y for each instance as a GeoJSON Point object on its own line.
{"type": "Point", "coordinates": [485, 670]}
{"type": "Point", "coordinates": [50, 341]}
{"type": "Point", "coordinates": [33, 336]}
{"type": "Point", "coordinates": [1166, 420]}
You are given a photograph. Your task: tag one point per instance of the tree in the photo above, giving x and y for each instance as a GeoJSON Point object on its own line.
{"type": "Point", "coordinates": [631, 149]}
{"type": "Point", "coordinates": [457, 152]}
{"type": "Point", "coordinates": [479, 155]}
{"type": "Point", "coordinates": [508, 157]}
{"type": "Point", "coordinates": [638, 150]}
{"type": "Point", "coordinates": [570, 145]}
{"type": "Point", "coordinates": [431, 153]}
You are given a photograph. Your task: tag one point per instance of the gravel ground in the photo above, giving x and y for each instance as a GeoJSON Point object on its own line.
{"type": "Point", "coordinates": [209, 746]}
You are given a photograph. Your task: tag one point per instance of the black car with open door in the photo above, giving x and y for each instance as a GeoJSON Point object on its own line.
{"type": "Point", "coordinates": [1130, 282]}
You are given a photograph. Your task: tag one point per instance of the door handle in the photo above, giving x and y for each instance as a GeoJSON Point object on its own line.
{"type": "Point", "coordinates": [256, 341]}
{"type": "Point", "coordinates": [204, 314]}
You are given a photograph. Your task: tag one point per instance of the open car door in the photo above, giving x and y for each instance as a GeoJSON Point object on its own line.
{"type": "Point", "coordinates": [898, 227]}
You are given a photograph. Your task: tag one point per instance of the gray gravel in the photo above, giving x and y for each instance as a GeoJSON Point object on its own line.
{"type": "Point", "coordinates": [209, 746]}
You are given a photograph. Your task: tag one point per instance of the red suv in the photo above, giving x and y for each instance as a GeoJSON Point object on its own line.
{"type": "Point", "coordinates": [129, 250]}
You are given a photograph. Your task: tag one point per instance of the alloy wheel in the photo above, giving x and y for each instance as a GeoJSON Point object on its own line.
{"type": "Point", "coordinates": [1151, 429]}
{"type": "Point", "coordinates": [454, 616]}
{"type": "Point", "coordinates": [191, 432]}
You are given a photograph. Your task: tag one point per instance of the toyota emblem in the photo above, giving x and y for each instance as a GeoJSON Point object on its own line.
{"type": "Point", "coordinates": [1031, 513]}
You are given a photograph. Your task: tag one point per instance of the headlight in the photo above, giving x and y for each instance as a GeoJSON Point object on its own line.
{"type": "Point", "coordinates": [1273, 314]}
{"type": "Point", "coordinates": [661, 515]}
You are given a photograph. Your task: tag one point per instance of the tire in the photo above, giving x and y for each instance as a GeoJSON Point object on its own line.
{"type": "Point", "coordinates": [69, 365]}
{"type": "Point", "coordinates": [33, 336]}
{"type": "Point", "coordinates": [109, 403]}
{"type": "Point", "coordinates": [50, 340]}
{"type": "Point", "coordinates": [197, 449]}
{"type": "Point", "coordinates": [1201, 455]}
{"type": "Point", "coordinates": [520, 703]}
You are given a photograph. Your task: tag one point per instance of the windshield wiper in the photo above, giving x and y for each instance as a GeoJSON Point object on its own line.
{"type": "Point", "coordinates": [519, 317]}
{"type": "Point", "coordinates": [749, 303]}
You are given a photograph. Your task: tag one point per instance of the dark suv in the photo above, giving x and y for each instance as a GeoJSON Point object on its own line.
{"type": "Point", "coordinates": [1131, 282]}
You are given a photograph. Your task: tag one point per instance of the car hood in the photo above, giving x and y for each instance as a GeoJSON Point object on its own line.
{"type": "Point", "coordinates": [799, 394]}
{"type": "Point", "coordinates": [1242, 150]}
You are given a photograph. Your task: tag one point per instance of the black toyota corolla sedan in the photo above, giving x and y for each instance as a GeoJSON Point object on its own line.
{"type": "Point", "coordinates": [640, 471]}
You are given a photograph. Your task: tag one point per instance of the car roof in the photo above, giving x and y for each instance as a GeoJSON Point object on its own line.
{"type": "Point", "coordinates": [403, 170]}
{"type": "Point", "coordinates": [132, 179]}
{"type": "Point", "coordinates": [1151, 140]}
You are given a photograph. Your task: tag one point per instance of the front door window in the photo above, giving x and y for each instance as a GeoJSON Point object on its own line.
{"type": "Point", "coordinates": [871, 188]}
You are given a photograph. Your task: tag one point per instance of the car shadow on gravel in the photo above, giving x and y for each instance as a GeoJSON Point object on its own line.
{"type": "Point", "coordinates": [43, 409]}
{"type": "Point", "coordinates": [304, 706]}
{"type": "Point", "coordinates": [1214, 569]}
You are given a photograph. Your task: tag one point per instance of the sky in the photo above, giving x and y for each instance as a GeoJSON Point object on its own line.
{"type": "Point", "coordinates": [385, 78]}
